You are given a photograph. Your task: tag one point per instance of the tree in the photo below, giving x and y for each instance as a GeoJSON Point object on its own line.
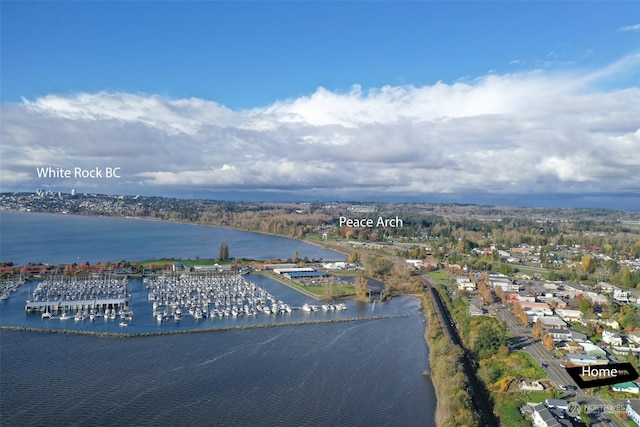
{"type": "Point", "coordinates": [500, 294]}
{"type": "Point", "coordinates": [585, 306]}
{"type": "Point", "coordinates": [536, 331]}
{"type": "Point", "coordinates": [224, 251]}
{"type": "Point", "coordinates": [489, 340]}
{"type": "Point", "coordinates": [588, 264]}
{"type": "Point", "coordinates": [361, 287]}
{"type": "Point", "coordinates": [548, 342]}
{"type": "Point", "coordinates": [520, 313]}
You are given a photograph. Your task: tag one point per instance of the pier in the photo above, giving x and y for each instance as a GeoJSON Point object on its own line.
{"type": "Point", "coordinates": [97, 304]}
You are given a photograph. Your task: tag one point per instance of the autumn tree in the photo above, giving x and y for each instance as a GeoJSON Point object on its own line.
{"type": "Point", "coordinates": [548, 342]}
{"type": "Point", "coordinates": [588, 264]}
{"type": "Point", "coordinates": [361, 287]}
{"type": "Point", "coordinates": [520, 313]}
{"type": "Point", "coordinates": [485, 292]}
{"type": "Point", "coordinates": [537, 330]}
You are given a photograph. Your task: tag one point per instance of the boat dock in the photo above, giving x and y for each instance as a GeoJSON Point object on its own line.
{"type": "Point", "coordinates": [98, 304]}
{"type": "Point", "coordinates": [77, 295]}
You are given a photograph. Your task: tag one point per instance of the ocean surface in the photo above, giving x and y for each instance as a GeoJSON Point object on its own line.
{"type": "Point", "coordinates": [364, 371]}
{"type": "Point", "coordinates": [55, 239]}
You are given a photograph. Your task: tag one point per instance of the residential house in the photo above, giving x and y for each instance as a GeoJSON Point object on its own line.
{"type": "Point", "coordinates": [591, 349]}
{"type": "Point", "coordinates": [610, 323]}
{"type": "Point", "coordinates": [611, 337]}
{"type": "Point", "coordinates": [627, 387]}
{"type": "Point", "coordinates": [578, 336]}
{"type": "Point", "coordinates": [621, 296]}
{"type": "Point", "coordinates": [634, 337]}
{"type": "Point", "coordinates": [552, 322]}
{"type": "Point", "coordinates": [559, 334]}
{"type": "Point", "coordinates": [548, 417]}
{"type": "Point", "coordinates": [573, 347]}
{"type": "Point", "coordinates": [598, 299]}
{"type": "Point", "coordinates": [557, 403]}
{"type": "Point", "coordinates": [569, 315]}
{"type": "Point", "coordinates": [536, 309]}
{"type": "Point", "coordinates": [464, 283]}
{"type": "Point", "coordinates": [633, 410]}
{"type": "Point", "coordinates": [585, 360]}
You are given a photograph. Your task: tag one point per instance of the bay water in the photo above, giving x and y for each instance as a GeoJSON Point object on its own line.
{"type": "Point", "coordinates": [27, 237]}
{"type": "Point", "coordinates": [362, 372]}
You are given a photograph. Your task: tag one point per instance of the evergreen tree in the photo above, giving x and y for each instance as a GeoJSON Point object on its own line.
{"type": "Point", "coordinates": [224, 252]}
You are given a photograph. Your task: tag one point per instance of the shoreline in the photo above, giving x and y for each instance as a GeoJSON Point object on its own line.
{"type": "Point", "coordinates": [182, 331]}
{"type": "Point", "coordinates": [138, 218]}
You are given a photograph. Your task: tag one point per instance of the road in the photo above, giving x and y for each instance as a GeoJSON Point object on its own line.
{"type": "Point", "coordinates": [556, 373]}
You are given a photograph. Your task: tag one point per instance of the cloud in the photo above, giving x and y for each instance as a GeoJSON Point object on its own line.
{"type": "Point", "coordinates": [533, 132]}
{"type": "Point", "coordinates": [635, 27]}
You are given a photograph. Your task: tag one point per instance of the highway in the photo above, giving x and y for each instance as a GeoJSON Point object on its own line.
{"type": "Point", "coordinates": [556, 373]}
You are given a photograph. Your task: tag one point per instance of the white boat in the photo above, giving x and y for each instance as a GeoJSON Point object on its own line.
{"type": "Point", "coordinates": [123, 324]}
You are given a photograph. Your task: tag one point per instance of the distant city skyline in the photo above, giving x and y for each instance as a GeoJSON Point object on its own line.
{"type": "Point", "coordinates": [506, 103]}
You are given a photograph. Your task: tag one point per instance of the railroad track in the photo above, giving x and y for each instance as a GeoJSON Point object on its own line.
{"type": "Point", "coordinates": [477, 391]}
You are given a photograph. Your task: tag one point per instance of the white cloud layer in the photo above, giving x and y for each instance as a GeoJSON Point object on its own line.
{"type": "Point", "coordinates": [532, 132]}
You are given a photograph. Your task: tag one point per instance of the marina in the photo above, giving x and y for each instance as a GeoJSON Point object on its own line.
{"type": "Point", "coordinates": [86, 298]}
{"type": "Point", "coordinates": [210, 296]}
{"type": "Point", "coordinates": [168, 303]}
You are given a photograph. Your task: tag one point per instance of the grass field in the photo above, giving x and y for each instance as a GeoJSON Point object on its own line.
{"type": "Point", "coordinates": [187, 262]}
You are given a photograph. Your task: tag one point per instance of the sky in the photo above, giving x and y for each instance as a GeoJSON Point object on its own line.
{"type": "Point", "coordinates": [512, 102]}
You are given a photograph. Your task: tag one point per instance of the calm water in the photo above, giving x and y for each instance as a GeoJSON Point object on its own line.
{"type": "Point", "coordinates": [55, 239]}
{"type": "Point", "coordinates": [360, 373]}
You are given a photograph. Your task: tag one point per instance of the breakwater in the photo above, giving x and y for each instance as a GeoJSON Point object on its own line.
{"type": "Point", "coordinates": [185, 331]}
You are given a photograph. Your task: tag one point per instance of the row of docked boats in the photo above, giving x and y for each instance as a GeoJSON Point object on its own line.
{"type": "Point", "coordinates": [65, 290]}
{"type": "Point", "coordinates": [210, 296]}
{"type": "Point", "coordinates": [7, 287]}
{"type": "Point", "coordinates": [125, 315]}
{"type": "Point", "coordinates": [324, 307]}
